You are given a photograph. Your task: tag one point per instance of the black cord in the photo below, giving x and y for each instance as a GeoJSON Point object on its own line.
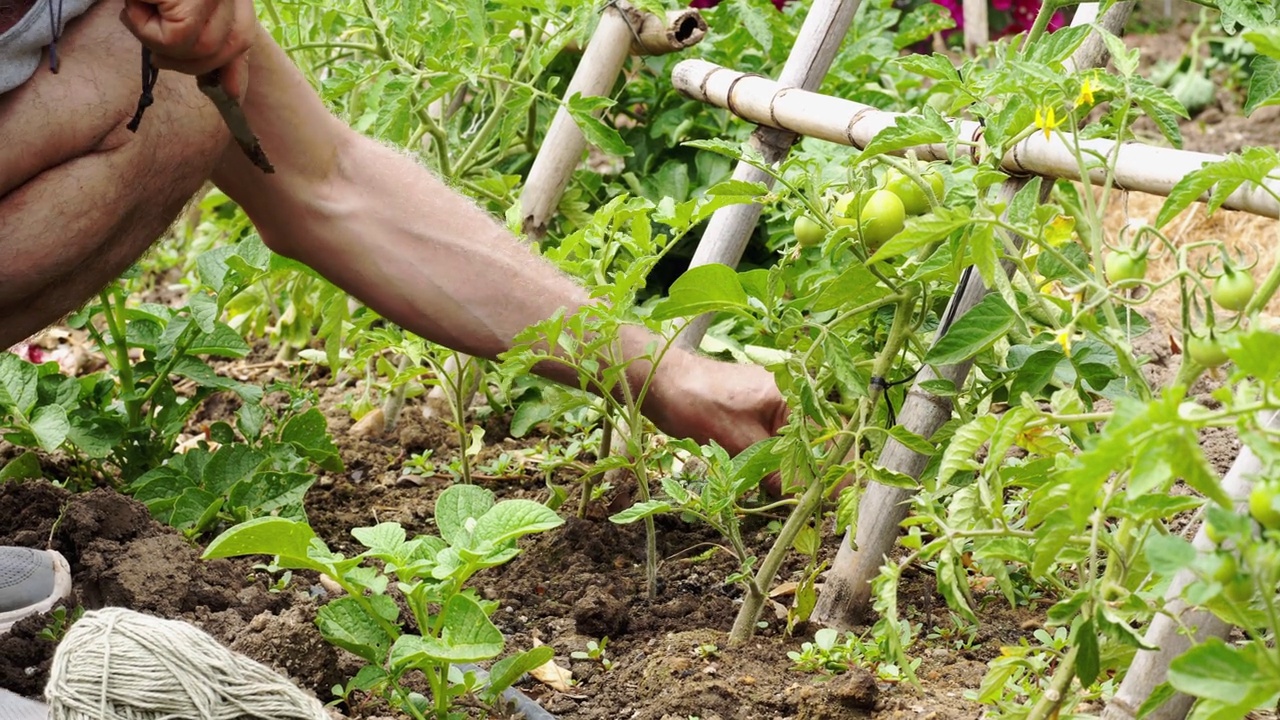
{"type": "Point", "coordinates": [149, 75]}
{"type": "Point", "coordinates": [55, 34]}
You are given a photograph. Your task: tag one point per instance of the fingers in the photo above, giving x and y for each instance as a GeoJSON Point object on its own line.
{"type": "Point", "coordinates": [193, 36]}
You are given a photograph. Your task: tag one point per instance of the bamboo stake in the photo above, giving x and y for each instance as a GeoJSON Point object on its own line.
{"type": "Point", "coordinates": [976, 30]}
{"type": "Point", "coordinates": [1144, 168]}
{"type": "Point", "coordinates": [847, 593]}
{"type": "Point", "coordinates": [562, 148]}
{"type": "Point", "coordinates": [678, 30]}
{"type": "Point", "coordinates": [1151, 667]}
{"type": "Point", "coordinates": [731, 227]}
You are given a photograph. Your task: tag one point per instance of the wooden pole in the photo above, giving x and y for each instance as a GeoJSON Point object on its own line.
{"type": "Point", "coordinates": [562, 148]}
{"type": "Point", "coordinates": [1143, 168]}
{"type": "Point", "coordinates": [1151, 667]}
{"type": "Point", "coordinates": [731, 227]}
{"type": "Point", "coordinates": [676, 31]}
{"type": "Point", "coordinates": [976, 24]}
{"type": "Point", "coordinates": [847, 594]}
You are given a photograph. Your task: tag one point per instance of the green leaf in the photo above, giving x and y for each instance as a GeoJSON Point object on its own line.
{"type": "Point", "coordinates": [18, 382]}
{"type": "Point", "coordinates": [974, 332]}
{"type": "Point", "coordinates": [271, 491]}
{"type": "Point", "coordinates": [912, 441]}
{"type": "Point", "coordinates": [1161, 106]}
{"type": "Point", "coordinates": [467, 636]}
{"type": "Point", "coordinates": [584, 110]}
{"type": "Point", "coordinates": [50, 426]}
{"type": "Point", "coordinates": [1257, 353]}
{"type": "Point", "coordinates": [909, 131]}
{"type": "Point", "coordinates": [706, 288]}
{"type": "Point", "coordinates": [229, 465]}
{"type": "Point", "coordinates": [936, 66]}
{"type": "Point", "coordinates": [921, 23]}
{"type": "Point", "coordinates": [204, 310]}
{"type": "Point", "coordinates": [511, 519]}
{"type": "Point", "coordinates": [1163, 693]}
{"type": "Point", "coordinates": [1217, 671]}
{"type": "Point", "coordinates": [753, 17]}
{"type": "Point", "coordinates": [384, 538]}
{"type": "Point", "coordinates": [1167, 554]}
{"type": "Point", "coordinates": [346, 624]}
{"type": "Point", "coordinates": [1053, 48]}
{"type": "Point", "coordinates": [920, 231]}
{"type": "Point", "coordinates": [640, 511]}
{"type": "Point", "coordinates": [291, 540]}
{"type": "Point", "coordinates": [455, 506]}
{"type": "Point", "coordinates": [853, 287]}
{"type": "Point", "coordinates": [222, 341]}
{"type": "Point", "coordinates": [310, 434]}
{"type": "Point", "coordinates": [507, 671]}
{"type": "Point", "coordinates": [24, 467]}
{"type": "Point", "coordinates": [1088, 656]}
{"type": "Point", "coordinates": [1264, 83]}
{"type": "Point", "coordinates": [1248, 13]}
{"type": "Point", "coordinates": [962, 450]}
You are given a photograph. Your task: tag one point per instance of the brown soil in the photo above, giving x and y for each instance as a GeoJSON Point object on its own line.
{"type": "Point", "coordinates": [582, 582]}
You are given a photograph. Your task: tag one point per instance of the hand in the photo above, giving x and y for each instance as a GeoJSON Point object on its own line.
{"type": "Point", "coordinates": [196, 36]}
{"type": "Point", "coordinates": [702, 399]}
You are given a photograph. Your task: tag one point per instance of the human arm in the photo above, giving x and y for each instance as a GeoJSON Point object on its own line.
{"type": "Point", "coordinates": [380, 226]}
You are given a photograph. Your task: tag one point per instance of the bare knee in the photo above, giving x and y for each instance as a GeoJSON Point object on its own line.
{"type": "Point", "coordinates": [81, 197]}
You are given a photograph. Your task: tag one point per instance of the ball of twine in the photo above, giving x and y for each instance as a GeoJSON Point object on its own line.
{"type": "Point", "coordinates": [116, 664]}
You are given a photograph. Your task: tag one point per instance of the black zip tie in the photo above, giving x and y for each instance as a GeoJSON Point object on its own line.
{"type": "Point", "coordinates": [149, 75]}
{"type": "Point", "coordinates": [55, 34]}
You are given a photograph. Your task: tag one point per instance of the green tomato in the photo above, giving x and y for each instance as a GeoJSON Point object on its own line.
{"type": "Point", "coordinates": [1263, 504]}
{"type": "Point", "coordinates": [1207, 351]}
{"type": "Point", "coordinates": [1122, 265]}
{"type": "Point", "coordinates": [1233, 289]}
{"type": "Point", "coordinates": [809, 232]}
{"type": "Point", "coordinates": [1227, 569]}
{"type": "Point", "coordinates": [1239, 589]}
{"type": "Point", "coordinates": [914, 200]}
{"type": "Point", "coordinates": [1214, 533]}
{"type": "Point", "coordinates": [880, 214]}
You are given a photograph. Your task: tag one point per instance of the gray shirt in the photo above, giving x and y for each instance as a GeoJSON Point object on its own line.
{"type": "Point", "coordinates": [21, 45]}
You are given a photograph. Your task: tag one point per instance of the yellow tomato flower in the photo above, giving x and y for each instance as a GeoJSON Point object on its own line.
{"type": "Point", "coordinates": [1064, 339]}
{"type": "Point", "coordinates": [1086, 94]}
{"type": "Point", "coordinates": [1046, 120]}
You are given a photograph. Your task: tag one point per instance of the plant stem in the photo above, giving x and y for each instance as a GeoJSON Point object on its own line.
{"type": "Point", "coordinates": [394, 402]}
{"type": "Point", "coordinates": [744, 625]}
{"type": "Point", "coordinates": [124, 367]}
{"type": "Point", "coordinates": [606, 443]}
{"type": "Point", "coordinates": [1051, 701]}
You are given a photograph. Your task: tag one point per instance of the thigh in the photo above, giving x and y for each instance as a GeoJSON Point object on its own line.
{"type": "Point", "coordinates": [81, 196]}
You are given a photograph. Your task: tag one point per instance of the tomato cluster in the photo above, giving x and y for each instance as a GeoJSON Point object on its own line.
{"type": "Point", "coordinates": [877, 214]}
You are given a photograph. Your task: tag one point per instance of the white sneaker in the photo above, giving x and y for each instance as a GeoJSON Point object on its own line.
{"type": "Point", "coordinates": [16, 707]}
{"type": "Point", "coordinates": [31, 582]}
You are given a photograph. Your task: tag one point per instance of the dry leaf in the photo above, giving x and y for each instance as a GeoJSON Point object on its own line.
{"type": "Point", "coordinates": [786, 589]}
{"type": "Point", "coordinates": [552, 675]}
{"type": "Point", "coordinates": [372, 425]}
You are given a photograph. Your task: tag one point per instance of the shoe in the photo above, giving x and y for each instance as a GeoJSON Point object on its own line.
{"type": "Point", "coordinates": [16, 707]}
{"type": "Point", "coordinates": [31, 582]}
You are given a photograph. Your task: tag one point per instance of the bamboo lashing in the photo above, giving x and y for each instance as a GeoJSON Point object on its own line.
{"type": "Point", "coordinates": [1139, 167]}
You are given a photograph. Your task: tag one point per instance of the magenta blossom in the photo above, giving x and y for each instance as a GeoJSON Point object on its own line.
{"type": "Point", "coordinates": [1022, 15]}
{"type": "Point", "coordinates": [712, 3]}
